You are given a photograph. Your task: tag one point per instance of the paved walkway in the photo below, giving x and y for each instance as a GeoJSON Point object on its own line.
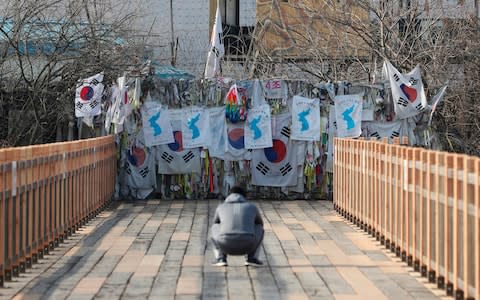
{"type": "Point", "coordinates": [159, 250]}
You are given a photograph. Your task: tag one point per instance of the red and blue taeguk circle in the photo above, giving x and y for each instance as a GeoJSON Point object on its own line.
{"type": "Point", "coordinates": [86, 93]}
{"type": "Point", "coordinates": [277, 152]}
{"type": "Point", "coordinates": [136, 156]}
{"type": "Point", "coordinates": [236, 138]}
{"type": "Point", "coordinates": [177, 145]}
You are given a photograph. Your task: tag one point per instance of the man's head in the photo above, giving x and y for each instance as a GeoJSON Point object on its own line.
{"type": "Point", "coordinates": [237, 189]}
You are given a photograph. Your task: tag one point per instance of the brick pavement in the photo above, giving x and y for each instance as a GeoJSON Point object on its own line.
{"type": "Point", "coordinates": [159, 250]}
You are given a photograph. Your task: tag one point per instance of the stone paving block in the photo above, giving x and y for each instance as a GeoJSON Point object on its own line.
{"type": "Point", "coordinates": [334, 281]}
{"type": "Point", "coordinates": [358, 281]}
{"type": "Point", "coordinates": [89, 285]}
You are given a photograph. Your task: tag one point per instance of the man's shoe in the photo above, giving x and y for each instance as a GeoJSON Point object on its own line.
{"type": "Point", "coordinates": [253, 262]}
{"type": "Point", "coordinates": [220, 262]}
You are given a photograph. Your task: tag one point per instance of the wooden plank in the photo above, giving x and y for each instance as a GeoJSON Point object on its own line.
{"type": "Point", "coordinates": [457, 196]}
{"type": "Point", "coordinates": [447, 242]}
{"type": "Point", "coordinates": [477, 228]}
{"type": "Point", "coordinates": [468, 168]}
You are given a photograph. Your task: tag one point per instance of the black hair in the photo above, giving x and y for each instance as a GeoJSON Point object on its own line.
{"type": "Point", "coordinates": [237, 189]}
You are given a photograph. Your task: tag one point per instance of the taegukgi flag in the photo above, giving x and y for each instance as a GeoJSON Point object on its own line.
{"type": "Point", "coordinates": [217, 49]}
{"type": "Point", "coordinates": [88, 96]}
{"type": "Point", "coordinates": [407, 91]}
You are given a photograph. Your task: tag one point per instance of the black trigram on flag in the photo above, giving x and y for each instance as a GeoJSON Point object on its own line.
{"type": "Point", "coordinates": [144, 172]}
{"type": "Point", "coordinates": [79, 105]}
{"type": "Point", "coordinates": [93, 104]}
{"type": "Point", "coordinates": [413, 81]}
{"type": "Point", "coordinates": [375, 135]}
{"type": "Point", "coordinates": [167, 157]}
{"type": "Point", "coordinates": [285, 131]}
{"type": "Point", "coordinates": [419, 106]}
{"type": "Point", "coordinates": [188, 157]}
{"type": "Point", "coordinates": [402, 101]}
{"type": "Point", "coordinates": [396, 77]}
{"type": "Point", "coordinates": [335, 124]}
{"type": "Point", "coordinates": [262, 168]}
{"type": "Point", "coordinates": [286, 169]}
{"type": "Point", "coordinates": [94, 81]}
{"type": "Point", "coordinates": [128, 170]}
{"type": "Point", "coordinates": [395, 134]}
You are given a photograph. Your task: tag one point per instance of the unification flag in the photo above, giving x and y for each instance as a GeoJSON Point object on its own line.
{"type": "Point", "coordinates": [156, 125]}
{"type": "Point", "coordinates": [348, 115]}
{"type": "Point", "coordinates": [258, 128]}
{"type": "Point", "coordinates": [195, 127]}
{"type": "Point", "coordinates": [276, 165]}
{"type": "Point", "coordinates": [217, 49]}
{"type": "Point", "coordinates": [305, 119]}
{"type": "Point", "coordinates": [88, 96]}
{"type": "Point", "coordinates": [407, 91]}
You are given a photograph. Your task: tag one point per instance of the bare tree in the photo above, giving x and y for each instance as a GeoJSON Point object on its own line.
{"type": "Point", "coordinates": [45, 47]}
{"type": "Point", "coordinates": [349, 40]}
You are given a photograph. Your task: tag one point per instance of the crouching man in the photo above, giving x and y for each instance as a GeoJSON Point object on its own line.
{"type": "Point", "coordinates": [237, 229]}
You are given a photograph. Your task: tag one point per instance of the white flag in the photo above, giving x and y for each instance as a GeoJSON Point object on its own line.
{"type": "Point", "coordinates": [305, 119]}
{"type": "Point", "coordinates": [258, 128]}
{"type": "Point", "coordinates": [348, 113]}
{"type": "Point", "coordinates": [88, 96]}
{"type": "Point", "coordinates": [435, 101]}
{"type": "Point", "coordinates": [235, 143]}
{"type": "Point", "coordinates": [381, 130]}
{"type": "Point", "coordinates": [407, 91]}
{"type": "Point", "coordinates": [217, 50]}
{"type": "Point", "coordinates": [157, 129]}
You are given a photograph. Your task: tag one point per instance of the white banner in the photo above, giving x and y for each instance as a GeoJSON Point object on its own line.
{"type": "Point", "coordinates": [348, 113]}
{"type": "Point", "coordinates": [157, 128]}
{"type": "Point", "coordinates": [305, 119]}
{"type": "Point", "coordinates": [277, 165]}
{"type": "Point", "coordinates": [258, 128]}
{"type": "Point", "coordinates": [218, 132]}
{"type": "Point", "coordinates": [88, 96]}
{"type": "Point", "coordinates": [195, 127]}
{"type": "Point", "coordinates": [407, 91]}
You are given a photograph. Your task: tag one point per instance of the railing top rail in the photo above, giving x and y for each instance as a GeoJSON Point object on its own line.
{"type": "Point", "coordinates": [45, 150]}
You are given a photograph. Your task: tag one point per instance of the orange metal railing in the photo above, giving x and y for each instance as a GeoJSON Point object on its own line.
{"type": "Point", "coordinates": [46, 193]}
{"type": "Point", "coordinates": [424, 205]}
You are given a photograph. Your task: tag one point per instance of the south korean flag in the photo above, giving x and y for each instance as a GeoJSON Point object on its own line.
{"type": "Point", "coordinates": [140, 165]}
{"type": "Point", "coordinates": [381, 130]}
{"type": "Point", "coordinates": [407, 91]}
{"type": "Point", "coordinates": [88, 96]}
{"type": "Point", "coordinates": [277, 165]}
{"type": "Point", "coordinates": [173, 158]}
